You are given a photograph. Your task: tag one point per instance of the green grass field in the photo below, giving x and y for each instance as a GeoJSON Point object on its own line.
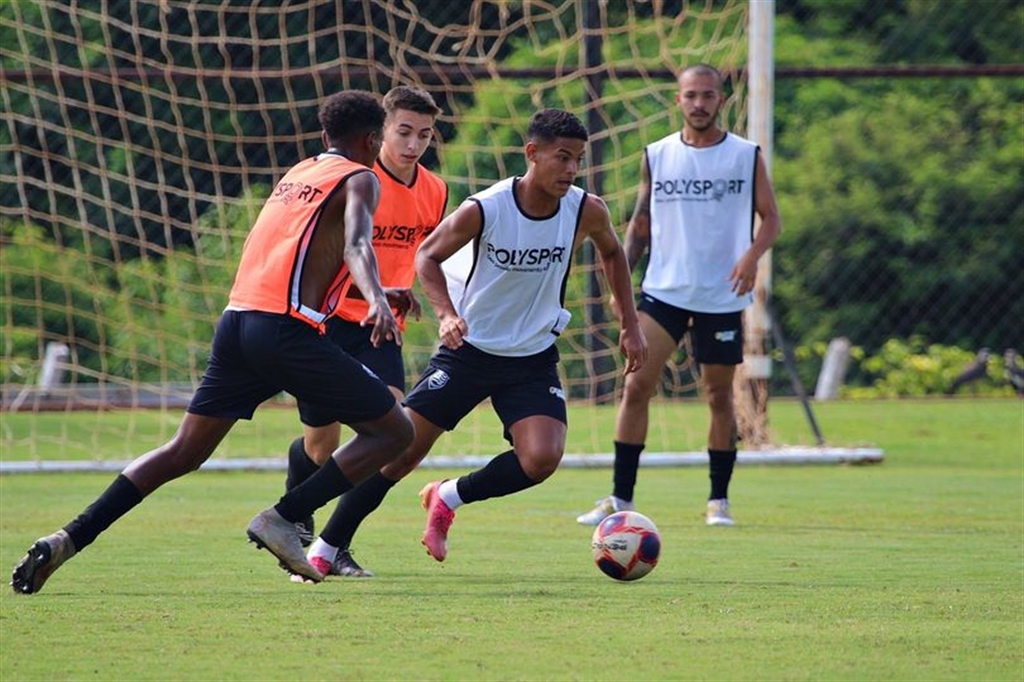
{"type": "Point", "coordinates": [908, 570]}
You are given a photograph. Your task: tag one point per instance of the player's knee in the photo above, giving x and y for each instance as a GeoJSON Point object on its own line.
{"type": "Point", "coordinates": [320, 451]}
{"type": "Point", "coordinates": [638, 390]}
{"type": "Point", "coordinates": [401, 433]}
{"type": "Point", "coordinates": [538, 466]}
{"type": "Point", "coordinates": [401, 467]}
{"type": "Point", "coordinates": [719, 398]}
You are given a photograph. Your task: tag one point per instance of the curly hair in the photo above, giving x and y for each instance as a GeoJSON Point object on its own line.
{"type": "Point", "coordinates": [350, 112]}
{"type": "Point", "coordinates": [548, 124]}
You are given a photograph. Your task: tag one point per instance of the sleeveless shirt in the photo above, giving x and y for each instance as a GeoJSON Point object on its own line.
{"type": "Point", "coordinates": [404, 217]}
{"type": "Point", "coordinates": [702, 221]}
{"type": "Point", "coordinates": [272, 266]}
{"type": "Point", "coordinates": [509, 283]}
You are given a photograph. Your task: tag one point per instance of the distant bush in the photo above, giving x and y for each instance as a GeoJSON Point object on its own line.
{"type": "Point", "coordinates": [904, 368]}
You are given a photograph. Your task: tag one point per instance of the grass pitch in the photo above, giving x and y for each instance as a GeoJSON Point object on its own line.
{"type": "Point", "coordinates": [913, 569]}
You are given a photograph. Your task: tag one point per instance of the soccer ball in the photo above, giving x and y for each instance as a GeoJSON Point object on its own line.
{"type": "Point", "coordinates": [626, 545]}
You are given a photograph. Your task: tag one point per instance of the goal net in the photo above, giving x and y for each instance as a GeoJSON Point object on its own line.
{"type": "Point", "coordinates": [138, 138]}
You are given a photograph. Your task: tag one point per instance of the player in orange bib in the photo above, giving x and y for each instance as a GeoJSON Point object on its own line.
{"type": "Point", "coordinates": [412, 203]}
{"type": "Point", "coordinates": [311, 240]}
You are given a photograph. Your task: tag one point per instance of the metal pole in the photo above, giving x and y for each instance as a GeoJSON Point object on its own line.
{"type": "Point", "coordinates": [599, 363]}
{"type": "Point", "coordinates": [760, 99]}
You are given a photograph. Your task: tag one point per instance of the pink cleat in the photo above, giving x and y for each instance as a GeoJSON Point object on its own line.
{"type": "Point", "coordinates": [439, 520]}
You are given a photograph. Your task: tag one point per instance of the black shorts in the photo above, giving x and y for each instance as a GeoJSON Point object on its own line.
{"type": "Point", "coordinates": [717, 337]}
{"type": "Point", "coordinates": [257, 355]}
{"type": "Point", "coordinates": [385, 360]}
{"type": "Point", "coordinates": [456, 381]}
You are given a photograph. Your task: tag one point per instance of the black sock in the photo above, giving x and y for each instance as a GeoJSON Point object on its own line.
{"type": "Point", "coordinates": [353, 507]}
{"type": "Point", "coordinates": [300, 465]}
{"type": "Point", "coordinates": [627, 461]}
{"type": "Point", "coordinates": [323, 486]}
{"type": "Point", "coordinates": [720, 465]}
{"type": "Point", "coordinates": [502, 476]}
{"type": "Point", "coordinates": [116, 501]}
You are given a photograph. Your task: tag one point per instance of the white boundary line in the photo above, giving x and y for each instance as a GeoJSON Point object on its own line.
{"type": "Point", "coordinates": [782, 456]}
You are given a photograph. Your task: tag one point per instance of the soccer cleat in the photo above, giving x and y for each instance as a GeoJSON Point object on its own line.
{"type": "Point", "coordinates": [345, 566]}
{"type": "Point", "coordinates": [320, 564]}
{"type": "Point", "coordinates": [269, 530]}
{"type": "Point", "coordinates": [718, 513]}
{"type": "Point", "coordinates": [307, 531]}
{"type": "Point", "coordinates": [439, 520]}
{"type": "Point", "coordinates": [604, 509]}
{"type": "Point", "coordinates": [43, 558]}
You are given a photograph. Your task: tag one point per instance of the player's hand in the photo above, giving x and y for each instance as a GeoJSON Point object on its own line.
{"type": "Point", "coordinates": [403, 302]}
{"type": "Point", "coordinates": [452, 329]}
{"type": "Point", "coordinates": [385, 326]}
{"type": "Point", "coordinates": [743, 275]}
{"type": "Point", "coordinates": [633, 345]}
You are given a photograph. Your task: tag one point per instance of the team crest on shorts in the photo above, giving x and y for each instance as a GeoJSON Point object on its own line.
{"type": "Point", "coordinates": [437, 380]}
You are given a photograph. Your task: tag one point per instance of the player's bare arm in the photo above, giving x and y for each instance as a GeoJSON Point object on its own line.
{"type": "Point", "coordinates": [596, 225]}
{"type": "Point", "coordinates": [744, 273]}
{"type": "Point", "coordinates": [362, 192]}
{"type": "Point", "coordinates": [454, 232]}
{"type": "Point", "coordinates": [638, 234]}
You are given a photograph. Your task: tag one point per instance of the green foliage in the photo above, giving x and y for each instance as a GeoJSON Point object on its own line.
{"type": "Point", "coordinates": [915, 368]}
{"type": "Point", "coordinates": [874, 243]}
{"type": "Point", "coordinates": [490, 140]}
{"type": "Point", "coordinates": [108, 315]}
{"type": "Point", "coordinates": [901, 368]}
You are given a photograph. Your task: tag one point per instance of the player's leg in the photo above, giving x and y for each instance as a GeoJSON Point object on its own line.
{"type": "Point", "coordinates": [305, 455]}
{"type": "Point", "coordinates": [632, 417]}
{"type": "Point", "coordinates": [229, 391]}
{"type": "Point", "coordinates": [718, 347]}
{"type": "Point", "coordinates": [332, 548]}
{"type": "Point", "coordinates": [330, 387]}
{"type": "Point", "coordinates": [528, 397]}
{"type": "Point", "coordinates": [196, 439]}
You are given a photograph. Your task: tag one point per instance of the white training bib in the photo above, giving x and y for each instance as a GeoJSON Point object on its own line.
{"type": "Point", "coordinates": [509, 283]}
{"type": "Point", "coordinates": [702, 221]}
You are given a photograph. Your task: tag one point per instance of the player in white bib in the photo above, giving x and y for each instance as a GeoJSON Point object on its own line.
{"type": "Point", "coordinates": [499, 320]}
{"type": "Point", "coordinates": [700, 189]}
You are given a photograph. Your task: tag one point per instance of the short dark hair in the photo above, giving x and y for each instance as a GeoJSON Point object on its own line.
{"type": "Point", "coordinates": [703, 70]}
{"type": "Point", "coordinates": [350, 112]}
{"type": "Point", "coordinates": [548, 124]}
{"type": "Point", "coordinates": [410, 98]}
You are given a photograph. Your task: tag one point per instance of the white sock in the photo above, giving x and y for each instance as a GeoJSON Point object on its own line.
{"type": "Point", "coordinates": [448, 491]}
{"type": "Point", "coordinates": [621, 505]}
{"type": "Point", "coordinates": [323, 550]}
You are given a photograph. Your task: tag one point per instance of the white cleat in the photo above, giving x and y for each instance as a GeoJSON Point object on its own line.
{"type": "Point", "coordinates": [718, 513]}
{"type": "Point", "coordinates": [603, 510]}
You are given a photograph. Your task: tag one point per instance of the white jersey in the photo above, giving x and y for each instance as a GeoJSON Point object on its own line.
{"type": "Point", "coordinates": [702, 221]}
{"type": "Point", "coordinates": [509, 283]}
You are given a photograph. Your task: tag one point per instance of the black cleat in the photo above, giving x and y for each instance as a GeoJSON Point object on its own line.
{"type": "Point", "coordinates": [345, 566]}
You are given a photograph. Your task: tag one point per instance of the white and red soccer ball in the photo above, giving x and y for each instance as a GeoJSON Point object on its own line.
{"type": "Point", "coordinates": [626, 545]}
